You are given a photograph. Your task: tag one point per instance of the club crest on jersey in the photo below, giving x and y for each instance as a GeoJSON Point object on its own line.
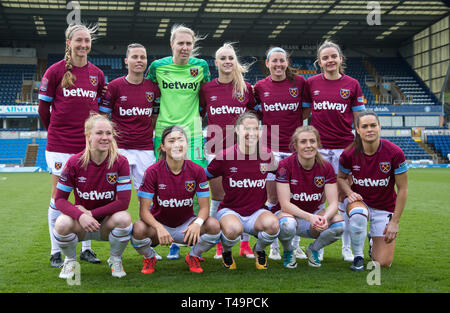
{"type": "Point", "coordinates": [319, 181]}
{"type": "Point", "coordinates": [189, 185]}
{"type": "Point", "coordinates": [385, 167]}
{"type": "Point", "coordinates": [194, 71]}
{"type": "Point", "coordinates": [345, 93]}
{"type": "Point", "coordinates": [240, 97]}
{"type": "Point", "coordinates": [293, 92]}
{"type": "Point", "coordinates": [111, 177]}
{"type": "Point", "coordinates": [58, 165]}
{"type": "Point", "coordinates": [264, 167]}
{"type": "Point", "coordinates": [93, 80]}
{"type": "Point", "coordinates": [149, 95]}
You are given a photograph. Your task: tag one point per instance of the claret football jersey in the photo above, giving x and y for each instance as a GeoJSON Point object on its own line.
{"type": "Point", "coordinates": [70, 106]}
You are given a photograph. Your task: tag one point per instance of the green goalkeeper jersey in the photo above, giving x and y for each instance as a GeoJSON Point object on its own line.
{"type": "Point", "coordinates": [180, 86]}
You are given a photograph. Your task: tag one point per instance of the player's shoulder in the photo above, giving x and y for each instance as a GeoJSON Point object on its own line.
{"type": "Point", "coordinates": [208, 85]}
{"type": "Point", "coordinates": [149, 83]}
{"type": "Point", "coordinates": [263, 81]}
{"type": "Point", "coordinates": [389, 146]}
{"type": "Point", "coordinates": [198, 62]}
{"type": "Point", "coordinates": [57, 67]}
{"type": "Point", "coordinates": [93, 67]}
{"type": "Point", "coordinates": [161, 62]}
{"type": "Point", "coordinates": [119, 81]}
{"type": "Point", "coordinates": [194, 167]}
{"type": "Point", "coordinates": [315, 78]}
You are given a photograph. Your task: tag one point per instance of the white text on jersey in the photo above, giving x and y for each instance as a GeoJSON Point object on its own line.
{"type": "Point", "coordinates": [227, 110]}
{"type": "Point", "coordinates": [135, 111]}
{"type": "Point", "coordinates": [175, 202]}
{"type": "Point", "coordinates": [278, 106]}
{"type": "Point", "coordinates": [306, 197]}
{"type": "Point", "coordinates": [247, 183]}
{"type": "Point", "coordinates": [94, 195]}
{"type": "Point", "coordinates": [369, 182]}
{"type": "Point", "coordinates": [79, 92]}
{"type": "Point", "coordinates": [327, 105]}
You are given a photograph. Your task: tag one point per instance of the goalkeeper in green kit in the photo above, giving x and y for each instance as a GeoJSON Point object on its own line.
{"type": "Point", "coordinates": [180, 77]}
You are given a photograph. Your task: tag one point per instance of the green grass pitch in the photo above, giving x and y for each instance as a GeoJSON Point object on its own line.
{"type": "Point", "coordinates": [421, 263]}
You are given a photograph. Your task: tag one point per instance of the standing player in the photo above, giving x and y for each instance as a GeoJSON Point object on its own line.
{"type": "Point", "coordinates": [302, 180]}
{"type": "Point", "coordinates": [376, 165]}
{"type": "Point", "coordinates": [168, 189]}
{"type": "Point", "coordinates": [335, 100]}
{"type": "Point", "coordinates": [244, 169]}
{"type": "Point", "coordinates": [280, 98]}
{"type": "Point", "coordinates": [180, 77]}
{"type": "Point", "coordinates": [223, 100]}
{"type": "Point", "coordinates": [100, 179]}
{"type": "Point", "coordinates": [68, 92]}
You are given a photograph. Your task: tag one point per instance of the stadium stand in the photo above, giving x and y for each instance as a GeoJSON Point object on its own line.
{"type": "Point", "coordinates": [441, 143]}
{"type": "Point", "coordinates": [411, 148]}
{"type": "Point", "coordinates": [13, 151]}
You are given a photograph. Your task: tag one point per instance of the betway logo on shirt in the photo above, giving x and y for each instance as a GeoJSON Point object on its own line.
{"type": "Point", "coordinates": [135, 111]}
{"type": "Point", "coordinates": [175, 202]}
{"type": "Point", "coordinates": [369, 182]}
{"type": "Point", "coordinates": [94, 195]}
{"type": "Point", "coordinates": [306, 197]}
{"type": "Point", "coordinates": [247, 183]}
{"type": "Point", "coordinates": [327, 105]}
{"type": "Point", "coordinates": [79, 92]}
{"type": "Point", "coordinates": [180, 85]}
{"type": "Point", "coordinates": [278, 106]}
{"type": "Point", "coordinates": [227, 110]}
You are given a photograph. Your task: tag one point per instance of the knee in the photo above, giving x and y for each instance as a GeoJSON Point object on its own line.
{"type": "Point", "coordinates": [337, 228]}
{"type": "Point", "coordinates": [212, 225]}
{"type": "Point", "coordinates": [64, 225]}
{"type": "Point", "coordinates": [139, 230]}
{"type": "Point", "coordinates": [288, 227]}
{"type": "Point", "coordinates": [232, 232]}
{"type": "Point", "coordinates": [383, 262]}
{"type": "Point", "coordinates": [122, 219]}
{"type": "Point", "coordinates": [272, 226]}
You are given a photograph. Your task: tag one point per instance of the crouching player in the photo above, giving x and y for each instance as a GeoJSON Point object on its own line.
{"type": "Point", "coordinates": [302, 181]}
{"type": "Point", "coordinates": [244, 169]}
{"type": "Point", "coordinates": [100, 178]}
{"type": "Point", "coordinates": [376, 166]}
{"type": "Point", "coordinates": [166, 205]}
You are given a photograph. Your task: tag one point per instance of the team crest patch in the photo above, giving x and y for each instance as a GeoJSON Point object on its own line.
{"type": "Point", "coordinates": [385, 167]}
{"type": "Point", "coordinates": [194, 71]}
{"type": "Point", "coordinates": [149, 95]}
{"type": "Point", "coordinates": [93, 80]}
{"type": "Point", "coordinates": [319, 181]}
{"type": "Point", "coordinates": [264, 167]}
{"type": "Point", "coordinates": [293, 92]}
{"type": "Point", "coordinates": [240, 97]}
{"type": "Point", "coordinates": [189, 185]}
{"type": "Point", "coordinates": [58, 165]}
{"type": "Point", "coordinates": [111, 177]}
{"type": "Point", "coordinates": [345, 93]}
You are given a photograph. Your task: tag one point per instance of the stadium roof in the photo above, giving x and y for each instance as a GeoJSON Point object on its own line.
{"type": "Point", "coordinates": [298, 22]}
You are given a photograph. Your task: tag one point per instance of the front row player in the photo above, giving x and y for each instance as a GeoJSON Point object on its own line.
{"type": "Point", "coordinates": [168, 189]}
{"type": "Point", "coordinates": [302, 181]}
{"type": "Point", "coordinates": [100, 179]}
{"type": "Point", "coordinates": [376, 166]}
{"type": "Point", "coordinates": [244, 168]}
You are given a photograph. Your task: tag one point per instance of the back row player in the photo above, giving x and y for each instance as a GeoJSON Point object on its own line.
{"type": "Point", "coordinates": [69, 86]}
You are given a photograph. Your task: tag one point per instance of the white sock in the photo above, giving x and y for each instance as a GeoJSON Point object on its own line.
{"type": "Point", "coordinates": [288, 227]}
{"type": "Point", "coordinates": [118, 239]}
{"type": "Point", "coordinates": [245, 237]}
{"type": "Point", "coordinates": [264, 239]}
{"type": "Point", "coordinates": [346, 240]}
{"type": "Point", "coordinates": [53, 214]}
{"type": "Point", "coordinates": [206, 242]}
{"type": "Point", "coordinates": [358, 230]}
{"type": "Point", "coordinates": [67, 244]}
{"type": "Point", "coordinates": [227, 244]}
{"type": "Point", "coordinates": [328, 236]}
{"type": "Point", "coordinates": [143, 247]}
{"type": "Point", "coordinates": [85, 245]}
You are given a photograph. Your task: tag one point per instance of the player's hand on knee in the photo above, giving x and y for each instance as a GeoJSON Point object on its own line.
{"type": "Point", "coordinates": [354, 197]}
{"type": "Point", "coordinates": [88, 223]}
{"type": "Point", "coordinates": [390, 232]}
{"type": "Point", "coordinates": [164, 237]}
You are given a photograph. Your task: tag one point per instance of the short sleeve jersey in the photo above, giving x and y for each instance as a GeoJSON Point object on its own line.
{"type": "Point", "coordinates": [70, 106]}
{"type": "Point", "coordinates": [180, 86]}
{"type": "Point", "coordinates": [131, 107]}
{"type": "Point", "coordinates": [281, 106]}
{"type": "Point", "coordinates": [173, 195]}
{"type": "Point", "coordinates": [243, 179]}
{"type": "Point", "coordinates": [97, 185]}
{"type": "Point", "coordinates": [222, 108]}
{"type": "Point", "coordinates": [307, 186]}
{"type": "Point", "coordinates": [332, 104]}
{"type": "Point", "coordinates": [374, 175]}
